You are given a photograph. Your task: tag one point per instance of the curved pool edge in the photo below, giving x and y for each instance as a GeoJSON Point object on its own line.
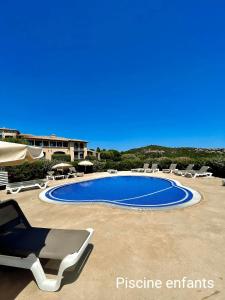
{"type": "Point", "coordinates": [195, 199]}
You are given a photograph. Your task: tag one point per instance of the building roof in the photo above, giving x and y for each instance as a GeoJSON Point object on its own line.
{"type": "Point", "coordinates": [9, 129]}
{"type": "Point", "coordinates": [40, 137]}
{"type": "Point", "coordinates": [52, 137]}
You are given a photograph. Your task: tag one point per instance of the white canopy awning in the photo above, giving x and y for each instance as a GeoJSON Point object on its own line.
{"type": "Point", "coordinates": [14, 154]}
{"type": "Point", "coordinates": [85, 163]}
{"type": "Point", "coordinates": [62, 166]}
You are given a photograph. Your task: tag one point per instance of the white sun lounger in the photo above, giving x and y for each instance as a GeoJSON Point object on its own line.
{"type": "Point", "coordinates": [112, 171]}
{"type": "Point", "coordinates": [4, 178]}
{"type": "Point", "coordinates": [141, 170]}
{"type": "Point", "coordinates": [72, 173]}
{"type": "Point", "coordinates": [171, 169]}
{"type": "Point", "coordinates": [52, 176]}
{"type": "Point", "coordinates": [199, 173]}
{"type": "Point", "coordinates": [16, 187]}
{"type": "Point", "coordinates": [183, 172]}
{"type": "Point", "coordinates": [80, 174]}
{"type": "Point", "coordinates": [22, 245]}
{"type": "Point", "coordinates": [153, 169]}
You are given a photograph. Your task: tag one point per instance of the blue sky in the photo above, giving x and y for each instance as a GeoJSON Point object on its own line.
{"type": "Point", "coordinates": [120, 74]}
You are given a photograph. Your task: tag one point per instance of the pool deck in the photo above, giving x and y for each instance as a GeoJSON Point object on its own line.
{"type": "Point", "coordinates": [173, 244]}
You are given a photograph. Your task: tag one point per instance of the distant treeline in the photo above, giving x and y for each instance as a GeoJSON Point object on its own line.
{"type": "Point", "coordinates": [135, 158]}
{"type": "Point", "coordinates": [164, 156]}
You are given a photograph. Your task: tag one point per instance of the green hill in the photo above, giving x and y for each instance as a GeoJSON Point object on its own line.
{"type": "Point", "coordinates": [164, 156]}
{"type": "Point", "coordinates": [155, 151]}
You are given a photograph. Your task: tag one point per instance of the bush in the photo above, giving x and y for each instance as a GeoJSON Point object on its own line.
{"type": "Point", "coordinates": [29, 171]}
{"type": "Point", "coordinates": [217, 166]}
{"type": "Point", "coordinates": [164, 162]}
{"type": "Point", "coordinates": [14, 140]}
{"type": "Point", "coordinates": [111, 155]}
{"type": "Point", "coordinates": [99, 166]}
{"type": "Point", "coordinates": [75, 163]}
{"type": "Point", "coordinates": [91, 158]}
{"type": "Point", "coordinates": [61, 157]}
{"type": "Point", "coordinates": [40, 168]}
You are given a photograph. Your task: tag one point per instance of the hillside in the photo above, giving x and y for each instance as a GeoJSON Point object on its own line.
{"type": "Point", "coordinates": [155, 151]}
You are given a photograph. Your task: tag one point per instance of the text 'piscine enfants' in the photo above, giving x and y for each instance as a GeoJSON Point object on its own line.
{"type": "Point", "coordinates": [147, 283]}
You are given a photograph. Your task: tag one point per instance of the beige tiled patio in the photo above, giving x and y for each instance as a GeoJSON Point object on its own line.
{"type": "Point", "coordinates": [134, 244]}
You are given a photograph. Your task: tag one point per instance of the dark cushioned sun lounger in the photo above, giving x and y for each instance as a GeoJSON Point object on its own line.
{"type": "Point", "coordinates": [42, 242]}
{"type": "Point", "coordinates": [21, 245]}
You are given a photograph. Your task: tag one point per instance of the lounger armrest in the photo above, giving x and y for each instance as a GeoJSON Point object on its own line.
{"type": "Point", "coordinates": [71, 259]}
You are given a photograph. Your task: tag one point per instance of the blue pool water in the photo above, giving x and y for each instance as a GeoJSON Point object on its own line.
{"type": "Point", "coordinates": [127, 191]}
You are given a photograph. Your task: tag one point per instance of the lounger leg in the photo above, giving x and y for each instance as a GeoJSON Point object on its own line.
{"type": "Point", "coordinates": [14, 191]}
{"type": "Point", "coordinates": [45, 284]}
{"type": "Point", "coordinates": [33, 263]}
{"type": "Point", "coordinates": [43, 186]}
{"type": "Point", "coordinates": [39, 275]}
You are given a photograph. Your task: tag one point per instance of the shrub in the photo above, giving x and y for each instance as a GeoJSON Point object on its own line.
{"type": "Point", "coordinates": [111, 155]}
{"type": "Point", "coordinates": [128, 156]}
{"type": "Point", "coordinates": [29, 171]}
{"type": "Point", "coordinates": [14, 140]}
{"type": "Point", "coordinates": [75, 163]}
{"type": "Point", "coordinates": [40, 168]}
{"type": "Point", "coordinates": [217, 166]}
{"type": "Point", "coordinates": [91, 158]}
{"type": "Point", "coordinates": [61, 157]}
{"type": "Point", "coordinates": [99, 166]}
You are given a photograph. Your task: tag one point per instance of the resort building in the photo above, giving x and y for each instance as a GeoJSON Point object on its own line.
{"type": "Point", "coordinates": [77, 149]}
{"type": "Point", "coordinates": [8, 133]}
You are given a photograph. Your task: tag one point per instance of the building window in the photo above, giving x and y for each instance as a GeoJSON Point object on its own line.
{"type": "Point", "coordinates": [76, 155]}
{"type": "Point", "coordinates": [38, 143]}
{"type": "Point", "coordinates": [81, 155]}
{"type": "Point", "coordinates": [46, 143]}
{"type": "Point", "coordinates": [65, 144]}
{"type": "Point", "coordinates": [59, 152]}
{"type": "Point", "coordinates": [53, 144]}
{"type": "Point", "coordinates": [9, 135]}
{"type": "Point", "coordinates": [30, 142]}
{"type": "Point", "coordinates": [81, 145]}
{"type": "Point", "coordinates": [59, 144]}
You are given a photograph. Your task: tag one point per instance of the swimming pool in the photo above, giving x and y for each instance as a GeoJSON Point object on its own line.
{"type": "Point", "coordinates": [138, 192]}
